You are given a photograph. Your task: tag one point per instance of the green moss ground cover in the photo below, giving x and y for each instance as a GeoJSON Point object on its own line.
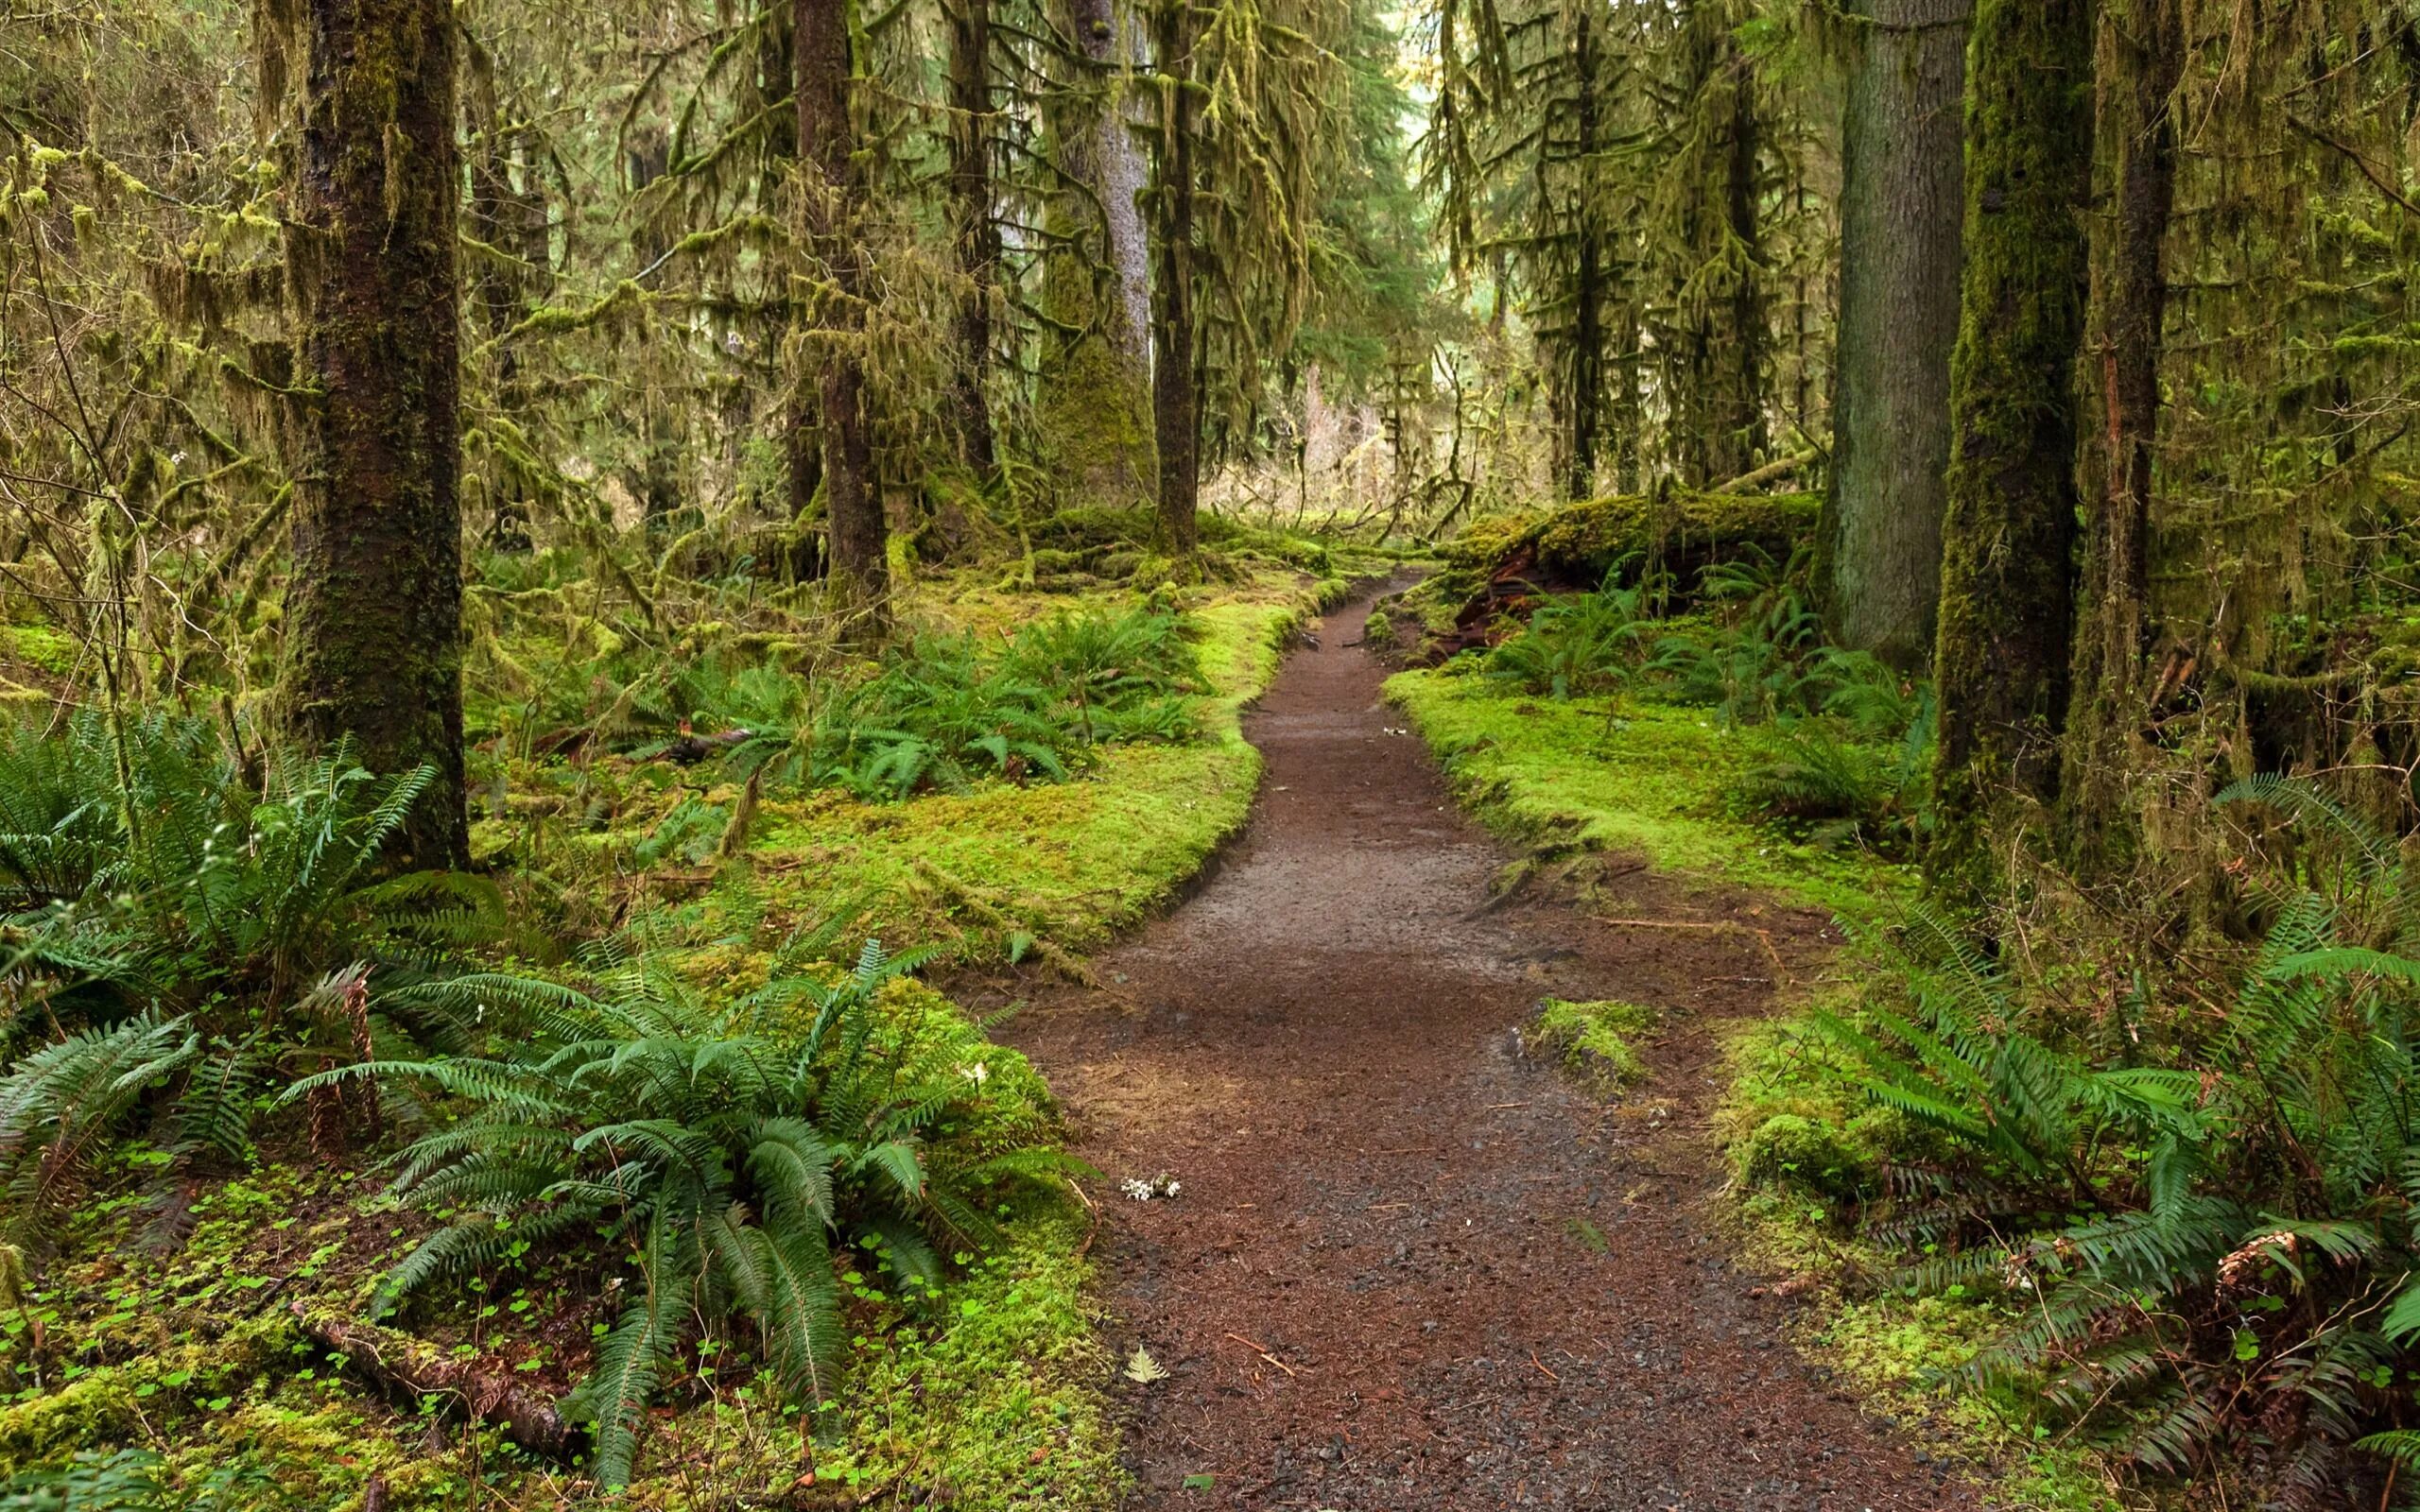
{"type": "Point", "coordinates": [1620, 774]}
{"type": "Point", "coordinates": [999, 869]}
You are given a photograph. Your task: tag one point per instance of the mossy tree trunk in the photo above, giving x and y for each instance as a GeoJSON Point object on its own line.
{"type": "Point", "coordinates": [1901, 178]}
{"type": "Point", "coordinates": [1176, 393]}
{"type": "Point", "coordinates": [1718, 408]}
{"type": "Point", "coordinates": [374, 608]}
{"type": "Point", "coordinates": [2145, 47]}
{"type": "Point", "coordinates": [834, 194]}
{"type": "Point", "coordinates": [802, 556]}
{"type": "Point", "coordinates": [2001, 660]}
{"type": "Point", "coordinates": [1093, 398]}
{"type": "Point", "coordinates": [977, 236]}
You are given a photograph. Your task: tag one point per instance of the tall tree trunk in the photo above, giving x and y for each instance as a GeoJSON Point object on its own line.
{"type": "Point", "coordinates": [835, 197]}
{"type": "Point", "coordinates": [1628, 444]}
{"type": "Point", "coordinates": [1587, 285]}
{"type": "Point", "coordinates": [1741, 439]}
{"type": "Point", "coordinates": [1176, 394]}
{"type": "Point", "coordinates": [803, 557]}
{"type": "Point", "coordinates": [978, 238]}
{"type": "Point", "coordinates": [1902, 192]}
{"type": "Point", "coordinates": [1094, 402]}
{"type": "Point", "coordinates": [507, 213]}
{"type": "Point", "coordinates": [374, 638]}
{"type": "Point", "coordinates": [2114, 619]}
{"type": "Point", "coordinates": [2001, 660]}
{"type": "Point", "coordinates": [1716, 371]}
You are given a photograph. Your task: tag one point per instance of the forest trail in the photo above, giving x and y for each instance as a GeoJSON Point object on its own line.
{"type": "Point", "coordinates": [1412, 1266]}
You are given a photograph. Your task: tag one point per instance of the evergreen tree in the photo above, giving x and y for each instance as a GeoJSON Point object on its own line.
{"type": "Point", "coordinates": [1902, 175]}
{"type": "Point", "coordinates": [2144, 51]}
{"type": "Point", "coordinates": [2000, 662]}
{"type": "Point", "coordinates": [1238, 141]}
{"type": "Point", "coordinates": [374, 600]}
{"type": "Point", "coordinates": [832, 191]}
{"type": "Point", "coordinates": [1092, 392]}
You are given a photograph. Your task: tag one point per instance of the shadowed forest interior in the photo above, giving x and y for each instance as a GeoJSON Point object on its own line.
{"type": "Point", "coordinates": [632, 653]}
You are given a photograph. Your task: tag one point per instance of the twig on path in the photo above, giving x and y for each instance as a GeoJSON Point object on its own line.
{"type": "Point", "coordinates": [1262, 1349]}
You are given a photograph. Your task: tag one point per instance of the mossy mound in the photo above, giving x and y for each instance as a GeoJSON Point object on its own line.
{"type": "Point", "coordinates": [1594, 1039]}
{"type": "Point", "coordinates": [1502, 565]}
{"type": "Point", "coordinates": [1792, 1152]}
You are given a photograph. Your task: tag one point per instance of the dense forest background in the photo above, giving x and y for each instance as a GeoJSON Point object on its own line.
{"type": "Point", "coordinates": [472, 476]}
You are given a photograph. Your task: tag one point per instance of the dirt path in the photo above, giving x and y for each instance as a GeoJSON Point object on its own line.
{"type": "Point", "coordinates": [1411, 1267]}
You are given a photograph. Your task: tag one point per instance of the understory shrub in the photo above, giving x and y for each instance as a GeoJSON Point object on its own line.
{"type": "Point", "coordinates": [1589, 642]}
{"type": "Point", "coordinates": [722, 1146]}
{"type": "Point", "coordinates": [1845, 744]}
{"type": "Point", "coordinates": [941, 711]}
{"type": "Point", "coordinates": [184, 936]}
{"type": "Point", "coordinates": [2201, 1223]}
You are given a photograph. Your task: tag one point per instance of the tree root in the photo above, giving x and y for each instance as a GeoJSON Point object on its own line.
{"type": "Point", "coordinates": [408, 1366]}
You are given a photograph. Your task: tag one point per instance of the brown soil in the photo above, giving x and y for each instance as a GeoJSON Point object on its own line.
{"type": "Point", "coordinates": [1411, 1265]}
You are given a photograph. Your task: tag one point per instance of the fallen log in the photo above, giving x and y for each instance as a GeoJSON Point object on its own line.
{"type": "Point", "coordinates": [405, 1365]}
{"type": "Point", "coordinates": [1501, 568]}
{"type": "Point", "coordinates": [1780, 468]}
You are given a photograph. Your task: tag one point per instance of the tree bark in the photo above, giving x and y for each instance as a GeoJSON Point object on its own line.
{"type": "Point", "coordinates": [1902, 194]}
{"type": "Point", "coordinates": [2114, 614]}
{"type": "Point", "coordinates": [978, 238]}
{"type": "Point", "coordinates": [1093, 402]}
{"type": "Point", "coordinates": [1176, 396]}
{"type": "Point", "coordinates": [1587, 287]}
{"type": "Point", "coordinates": [373, 640]}
{"type": "Point", "coordinates": [2001, 660]}
{"type": "Point", "coordinates": [834, 191]}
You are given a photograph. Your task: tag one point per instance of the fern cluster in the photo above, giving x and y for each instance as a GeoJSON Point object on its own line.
{"type": "Point", "coordinates": [723, 1147]}
{"type": "Point", "coordinates": [175, 924]}
{"type": "Point", "coordinates": [134, 1480]}
{"type": "Point", "coordinates": [2205, 1238]}
{"type": "Point", "coordinates": [943, 710]}
{"type": "Point", "coordinates": [1589, 642]}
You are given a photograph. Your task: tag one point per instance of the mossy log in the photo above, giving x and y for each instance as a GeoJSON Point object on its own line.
{"type": "Point", "coordinates": [408, 1367]}
{"type": "Point", "coordinates": [1505, 564]}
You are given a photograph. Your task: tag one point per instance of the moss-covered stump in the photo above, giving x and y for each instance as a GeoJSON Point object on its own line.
{"type": "Point", "coordinates": [1503, 565]}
